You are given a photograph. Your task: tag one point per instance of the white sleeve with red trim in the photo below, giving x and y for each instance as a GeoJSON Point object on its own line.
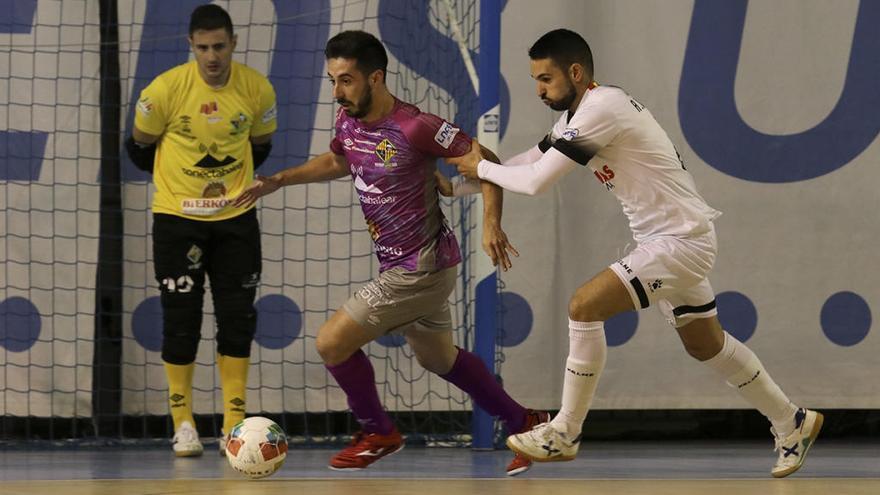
{"type": "Point", "coordinates": [528, 178]}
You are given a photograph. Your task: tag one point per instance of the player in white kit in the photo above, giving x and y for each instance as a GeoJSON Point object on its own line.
{"type": "Point", "coordinates": [607, 130]}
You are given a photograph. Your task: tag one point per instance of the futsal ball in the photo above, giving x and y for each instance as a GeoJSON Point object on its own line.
{"type": "Point", "coordinates": [256, 447]}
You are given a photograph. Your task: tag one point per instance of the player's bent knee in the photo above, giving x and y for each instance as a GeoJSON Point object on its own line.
{"type": "Point", "coordinates": [332, 349]}
{"type": "Point", "coordinates": [436, 363]}
{"type": "Point", "coordinates": [703, 338]}
{"type": "Point", "coordinates": [583, 309]}
{"type": "Point", "coordinates": [700, 353]}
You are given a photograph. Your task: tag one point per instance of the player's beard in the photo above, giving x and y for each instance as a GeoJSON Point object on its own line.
{"type": "Point", "coordinates": [565, 102]}
{"type": "Point", "coordinates": [362, 108]}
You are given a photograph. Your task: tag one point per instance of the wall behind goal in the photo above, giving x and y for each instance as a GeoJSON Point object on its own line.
{"type": "Point", "coordinates": [773, 107]}
{"type": "Point", "coordinates": [770, 102]}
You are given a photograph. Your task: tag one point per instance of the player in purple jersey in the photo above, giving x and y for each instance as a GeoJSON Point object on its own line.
{"type": "Point", "coordinates": [389, 148]}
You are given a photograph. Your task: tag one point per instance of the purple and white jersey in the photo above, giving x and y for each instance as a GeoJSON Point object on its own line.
{"type": "Point", "coordinates": [392, 165]}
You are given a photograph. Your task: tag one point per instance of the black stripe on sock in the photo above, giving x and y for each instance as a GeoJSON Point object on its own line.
{"type": "Point", "coordinates": [683, 310]}
{"type": "Point", "coordinates": [640, 291]}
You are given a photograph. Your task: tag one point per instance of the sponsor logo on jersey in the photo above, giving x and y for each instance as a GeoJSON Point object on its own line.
{"type": "Point", "coordinates": [569, 133]}
{"type": "Point", "coordinates": [362, 186]}
{"type": "Point", "coordinates": [377, 200]}
{"type": "Point", "coordinates": [145, 106]}
{"type": "Point", "coordinates": [392, 250]}
{"type": "Point", "coordinates": [270, 114]}
{"type": "Point", "coordinates": [209, 161]}
{"type": "Point", "coordinates": [214, 189]}
{"type": "Point", "coordinates": [386, 151]}
{"type": "Point", "coordinates": [211, 173]}
{"type": "Point", "coordinates": [212, 201]}
{"type": "Point", "coordinates": [209, 108]}
{"type": "Point", "coordinates": [364, 131]}
{"type": "Point", "coordinates": [446, 134]}
{"type": "Point", "coordinates": [604, 176]}
{"type": "Point", "coordinates": [348, 142]}
{"type": "Point", "coordinates": [239, 124]}
{"type": "Point", "coordinates": [202, 206]}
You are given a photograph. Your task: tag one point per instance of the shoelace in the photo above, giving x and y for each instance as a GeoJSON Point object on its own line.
{"type": "Point", "coordinates": [543, 432]}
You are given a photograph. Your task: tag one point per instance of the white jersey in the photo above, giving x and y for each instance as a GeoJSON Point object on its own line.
{"type": "Point", "coordinates": [631, 155]}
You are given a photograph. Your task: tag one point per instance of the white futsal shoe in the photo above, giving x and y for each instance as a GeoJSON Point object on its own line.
{"type": "Point", "coordinates": [793, 448]}
{"type": "Point", "coordinates": [544, 443]}
{"type": "Point", "coordinates": [186, 441]}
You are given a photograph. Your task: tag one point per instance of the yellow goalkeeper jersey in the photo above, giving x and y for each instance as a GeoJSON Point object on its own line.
{"type": "Point", "coordinates": [203, 159]}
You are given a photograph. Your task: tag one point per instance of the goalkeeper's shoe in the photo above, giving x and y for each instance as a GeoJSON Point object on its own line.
{"type": "Point", "coordinates": [365, 449]}
{"type": "Point", "coordinates": [186, 441]}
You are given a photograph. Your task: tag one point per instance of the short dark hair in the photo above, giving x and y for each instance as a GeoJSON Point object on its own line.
{"type": "Point", "coordinates": [564, 47]}
{"type": "Point", "coordinates": [209, 17]}
{"type": "Point", "coordinates": [363, 47]}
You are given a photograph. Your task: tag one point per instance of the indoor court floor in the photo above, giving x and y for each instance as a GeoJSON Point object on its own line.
{"type": "Point", "coordinates": [676, 468]}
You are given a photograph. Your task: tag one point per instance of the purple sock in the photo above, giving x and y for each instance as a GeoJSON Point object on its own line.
{"type": "Point", "coordinates": [356, 378]}
{"type": "Point", "coordinates": [471, 375]}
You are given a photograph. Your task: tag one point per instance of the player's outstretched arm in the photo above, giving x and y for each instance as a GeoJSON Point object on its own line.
{"type": "Point", "coordinates": [530, 178]}
{"type": "Point", "coordinates": [326, 166]}
{"type": "Point", "coordinates": [495, 242]}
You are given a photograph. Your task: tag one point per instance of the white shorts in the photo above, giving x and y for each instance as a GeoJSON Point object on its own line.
{"type": "Point", "coordinates": [671, 272]}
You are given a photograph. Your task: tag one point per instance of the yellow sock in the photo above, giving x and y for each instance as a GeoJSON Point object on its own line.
{"type": "Point", "coordinates": [233, 379]}
{"type": "Point", "coordinates": [180, 392]}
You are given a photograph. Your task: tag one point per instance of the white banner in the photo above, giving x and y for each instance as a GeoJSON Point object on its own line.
{"type": "Point", "coordinates": [772, 105]}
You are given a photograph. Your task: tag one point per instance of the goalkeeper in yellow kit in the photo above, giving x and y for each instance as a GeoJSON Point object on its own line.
{"type": "Point", "coordinates": [201, 128]}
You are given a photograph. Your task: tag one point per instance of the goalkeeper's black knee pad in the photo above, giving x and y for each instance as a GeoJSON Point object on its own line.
{"type": "Point", "coordinates": [236, 320]}
{"type": "Point", "coordinates": [181, 327]}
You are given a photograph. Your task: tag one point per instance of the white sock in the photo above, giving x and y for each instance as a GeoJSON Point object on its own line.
{"type": "Point", "coordinates": [586, 359]}
{"type": "Point", "coordinates": [742, 370]}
